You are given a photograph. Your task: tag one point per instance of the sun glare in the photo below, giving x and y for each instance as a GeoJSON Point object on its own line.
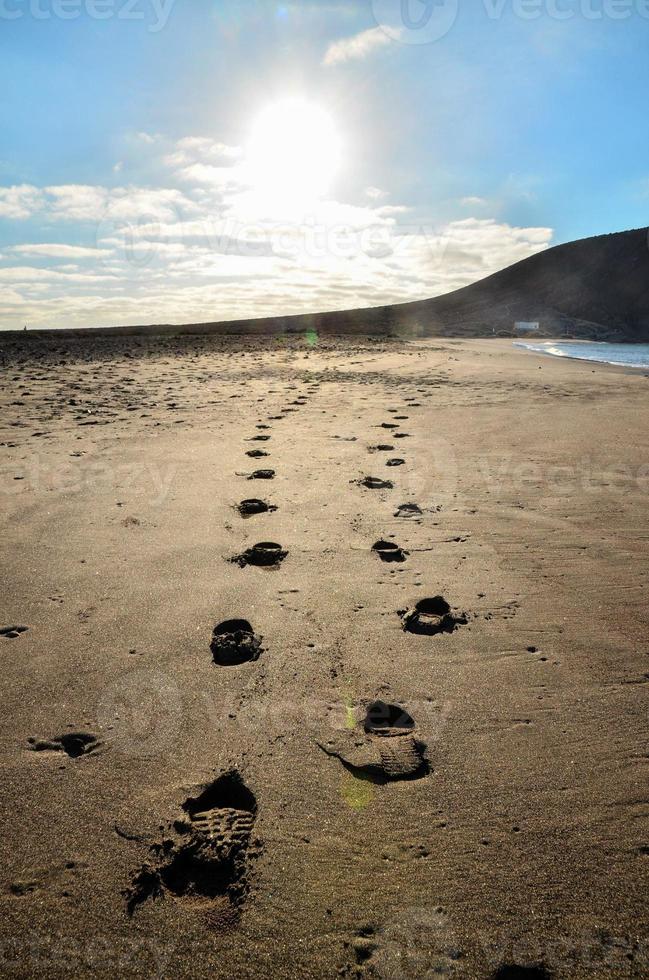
{"type": "Point", "coordinates": [293, 154]}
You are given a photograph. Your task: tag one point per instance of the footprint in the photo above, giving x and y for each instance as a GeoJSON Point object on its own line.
{"type": "Point", "coordinates": [431, 616]}
{"type": "Point", "coordinates": [387, 719]}
{"type": "Point", "coordinates": [262, 475]}
{"type": "Point", "coordinates": [387, 752]}
{"type": "Point", "coordinates": [389, 425]}
{"type": "Point", "coordinates": [381, 449]}
{"type": "Point", "coordinates": [74, 744]}
{"type": "Point", "coordinates": [235, 642]}
{"type": "Point", "coordinates": [364, 945]}
{"type": "Point", "coordinates": [260, 439]}
{"type": "Point", "coordinates": [409, 510]}
{"type": "Point", "coordinates": [266, 554]}
{"type": "Point", "coordinates": [374, 483]}
{"type": "Point", "coordinates": [12, 632]}
{"type": "Point", "coordinates": [257, 453]}
{"type": "Point", "coordinates": [395, 462]}
{"type": "Point", "coordinates": [204, 858]}
{"type": "Point", "coordinates": [248, 508]}
{"type": "Point", "coordinates": [389, 552]}
{"type": "Point", "coordinates": [401, 435]}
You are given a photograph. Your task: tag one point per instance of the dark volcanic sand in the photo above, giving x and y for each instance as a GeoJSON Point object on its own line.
{"type": "Point", "coordinates": [169, 813]}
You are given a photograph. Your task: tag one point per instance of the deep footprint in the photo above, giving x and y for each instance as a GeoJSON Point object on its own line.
{"type": "Point", "coordinates": [374, 483]}
{"type": "Point", "coordinates": [266, 554]}
{"type": "Point", "coordinates": [409, 510]}
{"type": "Point", "coordinates": [389, 552]}
{"type": "Point", "coordinates": [262, 475]}
{"type": "Point", "coordinates": [388, 751]}
{"type": "Point", "coordinates": [431, 616]}
{"type": "Point", "coordinates": [234, 642]}
{"type": "Point", "coordinates": [257, 453]}
{"type": "Point", "coordinates": [395, 462]}
{"type": "Point", "coordinates": [205, 855]}
{"type": "Point", "coordinates": [248, 508]}
{"type": "Point", "coordinates": [387, 719]}
{"type": "Point", "coordinates": [12, 632]}
{"type": "Point", "coordinates": [74, 744]}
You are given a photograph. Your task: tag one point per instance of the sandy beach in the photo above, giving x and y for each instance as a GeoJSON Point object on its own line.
{"type": "Point", "coordinates": [400, 789]}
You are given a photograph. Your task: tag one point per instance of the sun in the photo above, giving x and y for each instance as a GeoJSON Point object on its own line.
{"type": "Point", "coordinates": [293, 154]}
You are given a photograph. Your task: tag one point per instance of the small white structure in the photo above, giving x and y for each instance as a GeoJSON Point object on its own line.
{"type": "Point", "coordinates": [523, 326]}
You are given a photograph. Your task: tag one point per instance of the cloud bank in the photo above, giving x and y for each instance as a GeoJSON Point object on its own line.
{"type": "Point", "coordinates": [205, 247]}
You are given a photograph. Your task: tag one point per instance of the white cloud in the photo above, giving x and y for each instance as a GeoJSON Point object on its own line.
{"type": "Point", "coordinates": [474, 202]}
{"type": "Point", "coordinates": [375, 193]}
{"type": "Point", "coordinates": [90, 203]}
{"type": "Point", "coordinates": [28, 273]}
{"type": "Point", "coordinates": [76, 202]}
{"type": "Point", "coordinates": [202, 173]}
{"type": "Point", "coordinates": [9, 297]}
{"type": "Point", "coordinates": [59, 251]}
{"type": "Point", "coordinates": [131, 203]}
{"type": "Point", "coordinates": [201, 149]}
{"type": "Point", "coordinates": [19, 202]}
{"type": "Point", "coordinates": [357, 47]}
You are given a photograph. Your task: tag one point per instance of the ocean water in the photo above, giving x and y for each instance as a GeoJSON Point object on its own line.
{"type": "Point", "coordinates": [624, 355]}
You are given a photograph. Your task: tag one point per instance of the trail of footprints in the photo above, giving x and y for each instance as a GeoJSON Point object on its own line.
{"type": "Point", "coordinates": [205, 856]}
{"type": "Point", "coordinates": [205, 853]}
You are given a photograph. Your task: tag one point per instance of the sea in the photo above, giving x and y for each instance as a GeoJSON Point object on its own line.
{"type": "Point", "coordinates": [623, 355]}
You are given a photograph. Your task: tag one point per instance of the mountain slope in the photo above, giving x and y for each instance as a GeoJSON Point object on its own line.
{"type": "Point", "coordinates": [597, 285]}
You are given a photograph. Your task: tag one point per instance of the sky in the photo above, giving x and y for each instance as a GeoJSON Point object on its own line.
{"type": "Point", "coordinates": [178, 161]}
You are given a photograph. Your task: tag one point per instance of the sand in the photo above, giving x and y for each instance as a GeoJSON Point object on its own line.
{"type": "Point", "coordinates": [184, 803]}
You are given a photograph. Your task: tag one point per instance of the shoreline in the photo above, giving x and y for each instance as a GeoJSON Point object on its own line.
{"type": "Point", "coordinates": [521, 345]}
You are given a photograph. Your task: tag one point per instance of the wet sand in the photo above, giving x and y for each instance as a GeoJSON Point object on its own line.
{"type": "Point", "coordinates": [349, 781]}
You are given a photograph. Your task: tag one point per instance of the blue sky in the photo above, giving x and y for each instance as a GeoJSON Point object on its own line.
{"type": "Point", "coordinates": [128, 193]}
